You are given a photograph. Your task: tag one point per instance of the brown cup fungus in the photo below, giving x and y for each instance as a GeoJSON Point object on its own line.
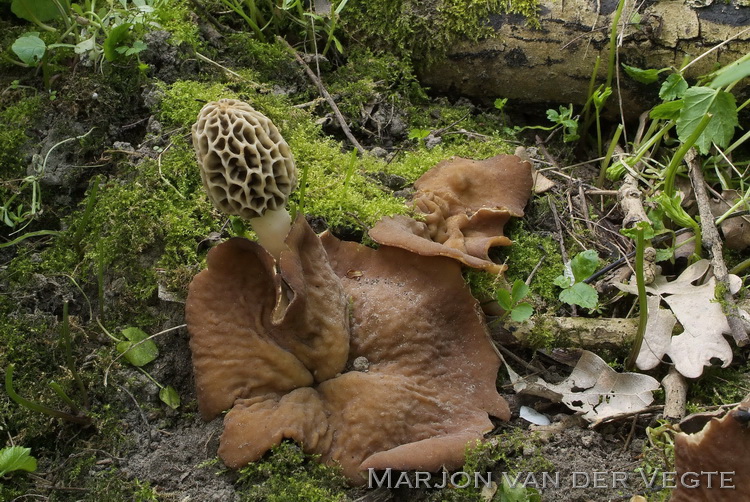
{"type": "Point", "coordinates": [465, 205]}
{"type": "Point", "coordinates": [246, 167]}
{"type": "Point", "coordinates": [427, 383]}
{"type": "Point", "coordinates": [372, 359]}
{"type": "Point", "coordinates": [713, 465]}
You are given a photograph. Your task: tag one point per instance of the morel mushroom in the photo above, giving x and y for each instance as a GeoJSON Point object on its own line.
{"type": "Point", "coordinates": [246, 167]}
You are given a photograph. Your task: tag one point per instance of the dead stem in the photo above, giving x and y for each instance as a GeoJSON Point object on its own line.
{"type": "Point", "coordinates": [712, 241]}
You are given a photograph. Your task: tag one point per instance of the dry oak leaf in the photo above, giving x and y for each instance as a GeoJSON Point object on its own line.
{"type": "Point", "coordinates": [703, 321]}
{"type": "Point", "coordinates": [593, 388]}
{"type": "Point", "coordinates": [430, 383]}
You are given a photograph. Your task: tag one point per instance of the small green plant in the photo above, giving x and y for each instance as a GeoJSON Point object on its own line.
{"type": "Point", "coordinates": [16, 458]}
{"type": "Point", "coordinates": [18, 213]}
{"type": "Point", "coordinates": [98, 32]}
{"type": "Point", "coordinates": [269, 18]}
{"type": "Point", "coordinates": [139, 349]}
{"type": "Point", "coordinates": [562, 118]}
{"type": "Point", "coordinates": [574, 290]}
{"type": "Point", "coordinates": [419, 134]}
{"type": "Point", "coordinates": [511, 302]}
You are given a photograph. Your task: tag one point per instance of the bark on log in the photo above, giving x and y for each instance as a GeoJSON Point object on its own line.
{"type": "Point", "coordinates": [554, 63]}
{"type": "Point", "coordinates": [582, 332]}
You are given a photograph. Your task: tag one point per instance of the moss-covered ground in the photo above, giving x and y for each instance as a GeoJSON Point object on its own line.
{"type": "Point", "coordinates": [103, 209]}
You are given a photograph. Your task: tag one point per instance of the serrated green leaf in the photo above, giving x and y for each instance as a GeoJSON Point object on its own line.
{"type": "Point", "coordinates": [35, 10]}
{"type": "Point", "coordinates": [643, 76]}
{"type": "Point", "coordinates": [170, 397]}
{"type": "Point", "coordinates": [521, 312]}
{"type": "Point", "coordinates": [29, 48]}
{"type": "Point", "coordinates": [137, 351]}
{"type": "Point", "coordinates": [16, 458]}
{"type": "Point", "coordinates": [673, 87]}
{"type": "Point", "coordinates": [700, 101]}
{"type": "Point", "coordinates": [518, 291]}
{"type": "Point", "coordinates": [584, 264]}
{"type": "Point", "coordinates": [503, 299]}
{"type": "Point", "coordinates": [581, 294]}
{"type": "Point", "coordinates": [667, 111]}
{"type": "Point", "coordinates": [731, 73]}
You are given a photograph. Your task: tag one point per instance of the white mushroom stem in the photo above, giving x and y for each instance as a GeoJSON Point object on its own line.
{"type": "Point", "coordinates": [272, 229]}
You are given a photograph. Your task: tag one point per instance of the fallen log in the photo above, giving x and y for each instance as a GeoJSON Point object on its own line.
{"type": "Point", "coordinates": [553, 62]}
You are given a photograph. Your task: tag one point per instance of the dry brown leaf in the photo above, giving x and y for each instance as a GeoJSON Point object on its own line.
{"type": "Point", "coordinates": [703, 321]}
{"type": "Point", "coordinates": [594, 389]}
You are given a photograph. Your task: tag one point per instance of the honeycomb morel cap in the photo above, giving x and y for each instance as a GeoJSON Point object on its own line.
{"type": "Point", "coordinates": [247, 168]}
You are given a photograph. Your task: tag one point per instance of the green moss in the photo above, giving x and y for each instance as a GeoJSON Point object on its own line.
{"type": "Point", "coordinates": [176, 18]}
{"type": "Point", "coordinates": [286, 473]}
{"type": "Point", "coordinates": [516, 451]}
{"type": "Point", "coordinates": [720, 386]}
{"type": "Point", "coordinates": [268, 62]}
{"type": "Point", "coordinates": [426, 30]}
{"type": "Point", "coordinates": [545, 334]}
{"type": "Point", "coordinates": [15, 119]}
{"type": "Point", "coordinates": [527, 250]}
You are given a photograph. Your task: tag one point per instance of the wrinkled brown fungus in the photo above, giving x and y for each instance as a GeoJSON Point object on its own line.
{"type": "Point", "coordinates": [430, 379]}
{"type": "Point", "coordinates": [246, 167]}
{"type": "Point", "coordinates": [713, 465]}
{"type": "Point", "coordinates": [466, 204]}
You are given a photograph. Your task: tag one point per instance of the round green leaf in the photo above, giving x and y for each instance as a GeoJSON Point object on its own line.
{"type": "Point", "coordinates": [29, 48]}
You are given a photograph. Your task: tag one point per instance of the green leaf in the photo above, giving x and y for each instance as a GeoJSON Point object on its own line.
{"type": "Point", "coordinates": [29, 48]}
{"type": "Point", "coordinates": [667, 111]}
{"type": "Point", "coordinates": [648, 231]}
{"type": "Point", "coordinates": [35, 10]}
{"type": "Point", "coordinates": [137, 351]}
{"type": "Point", "coordinates": [700, 101]}
{"type": "Point", "coordinates": [170, 397]}
{"type": "Point", "coordinates": [672, 207]}
{"type": "Point", "coordinates": [116, 37]}
{"type": "Point", "coordinates": [503, 299]}
{"type": "Point", "coordinates": [581, 294]}
{"type": "Point", "coordinates": [665, 254]}
{"type": "Point", "coordinates": [673, 87]}
{"type": "Point", "coordinates": [521, 312]}
{"type": "Point", "coordinates": [519, 290]}
{"type": "Point", "coordinates": [418, 133]}
{"type": "Point", "coordinates": [584, 264]}
{"type": "Point", "coordinates": [500, 103]}
{"type": "Point", "coordinates": [16, 458]}
{"type": "Point", "coordinates": [642, 76]}
{"type": "Point", "coordinates": [563, 281]}
{"type": "Point", "coordinates": [730, 74]}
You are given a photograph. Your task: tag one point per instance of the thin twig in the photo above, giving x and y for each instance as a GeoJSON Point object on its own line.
{"type": "Point", "coordinates": [323, 92]}
{"type": "Point", "coordinates": [712, 241]}
{"type": "Point", "coordinates": [560, 240]}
